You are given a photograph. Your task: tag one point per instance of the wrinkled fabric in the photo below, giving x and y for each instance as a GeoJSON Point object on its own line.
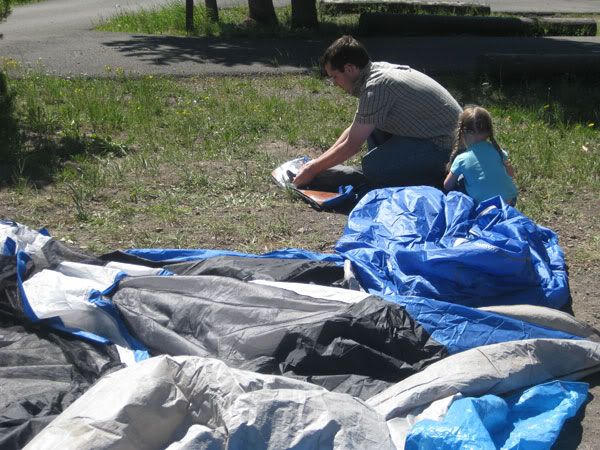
{"type": "Point", "coordinates": [167, 401]}
{"type": "Point", "coordinates": [417, 241]}
{"type": "Point", "coordinates": [41, 373]}
{"type": "Point", "coordinates": [359, 348]}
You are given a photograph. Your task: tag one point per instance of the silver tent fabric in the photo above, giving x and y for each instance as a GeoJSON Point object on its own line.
{"type": "Point", "coordinates": [194, 402]}
{"type": "Point", "coordinates": [493, 369]}
{"type": "Point", "coordinates": [549, 318]}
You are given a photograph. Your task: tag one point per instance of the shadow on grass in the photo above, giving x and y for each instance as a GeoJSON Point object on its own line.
{"type": "Point", "coordinates": [433, 55]}
{"type": "Point", "coordinates": [40, 158]}
{"type": "Point", "coordinates": [9, 129]}
{"type": "Point", "coordinates": [559, 101]}
{"type": "Point", "coordinates": [454, 61]}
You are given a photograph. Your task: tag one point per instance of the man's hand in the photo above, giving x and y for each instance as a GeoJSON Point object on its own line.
{"type": "Point", "coordinates": [305, 175]}
{"type": "Point", "coordinates": [346, 146]}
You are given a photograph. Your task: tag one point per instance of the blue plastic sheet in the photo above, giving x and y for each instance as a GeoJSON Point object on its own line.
{"type": "Point", "coordinates": [529, 420]}
{"type": "Point", "coordinates": [418, 242]}
{"type": "Point", "coordinates": [180, 255]}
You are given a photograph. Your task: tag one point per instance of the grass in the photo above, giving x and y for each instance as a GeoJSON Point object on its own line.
{"type": "Point", "coordinates": [24, 2]}
{"type": "Point", "coordinates": [170, 20]}
{"type": "Point", "coordinates": [162, 162]}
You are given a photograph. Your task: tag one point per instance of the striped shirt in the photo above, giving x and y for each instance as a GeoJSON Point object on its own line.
{"type": "Point", "coordinates": [405, 102]}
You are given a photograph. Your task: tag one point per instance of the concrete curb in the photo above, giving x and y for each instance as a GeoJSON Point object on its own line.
{"type": "Point", "coordinates": [432, 25]}
{"type": "Point", "coordinates": [403, 6]}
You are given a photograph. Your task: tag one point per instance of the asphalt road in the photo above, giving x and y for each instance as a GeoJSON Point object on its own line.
{"type": "Point", "coordinates": [56, 36]}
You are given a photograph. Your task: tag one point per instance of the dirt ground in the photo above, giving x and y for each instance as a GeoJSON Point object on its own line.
{"type": "Point", "coordinates": [578, 236]}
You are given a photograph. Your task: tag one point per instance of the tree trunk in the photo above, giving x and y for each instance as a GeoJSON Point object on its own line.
{"type": "Point", "coordinates": [189, 15]}
{"type": "Point", "coordinates": [212, 10]}
{"type": "Point", "coordinates": [262, 12]}
{"type": "Point", "coordinates": [304, 14]}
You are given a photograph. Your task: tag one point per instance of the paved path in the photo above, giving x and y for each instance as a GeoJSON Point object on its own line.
{"type": "Point", "coordinates": [55, 36]}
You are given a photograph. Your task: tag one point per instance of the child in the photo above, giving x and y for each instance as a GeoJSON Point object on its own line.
{"type": "Point", "coordinates": [479, 159]}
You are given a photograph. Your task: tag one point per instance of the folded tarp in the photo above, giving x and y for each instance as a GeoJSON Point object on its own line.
{"type": "Point", "coordinates": [195, 402]}
{"type": "Point", "coordinates": [44, 280]}
{"type": "Point", "coordinates": [461, 328]}
{"type": "Point", "coordinates": [417, 241]}
{"type": "Point", "coordinates": [530, 419]}
{"type": "Point", "coordinates": [170, 256]}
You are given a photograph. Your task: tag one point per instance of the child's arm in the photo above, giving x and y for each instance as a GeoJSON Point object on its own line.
{"type": "Point", "coordinates": [450, 181]}
{"type": "Point", "coordinates": [509, 168]}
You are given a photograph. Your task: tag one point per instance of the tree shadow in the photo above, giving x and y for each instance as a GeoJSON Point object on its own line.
{"type": "Point", "coordinates": [455, 61]}
{"type": "Point", "coordinates": [230, 53]}
{"type": "Point", "coordinates": [431, 54]}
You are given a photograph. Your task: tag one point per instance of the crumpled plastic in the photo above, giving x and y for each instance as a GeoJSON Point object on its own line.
{"type": "Point", "coordinates": [531, 419]}
{"type": "Point", "coordinates": [416, 241]}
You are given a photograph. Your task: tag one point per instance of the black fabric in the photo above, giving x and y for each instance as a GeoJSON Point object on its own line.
{"type": "Point", "coordinates": [358, 348]}
{"type": "Point", "coordinates": [41, 374]}
{"type": "Point", "coordinates": [331, 179]}
{"type": "Point", "coordinates": [56, 252]}
{"type": "Point", "coordinates": [273, 269]}
{"type": "Point", "coordinates": [9, 299]}
{"type": "Point", "coordinates": [122, 257]}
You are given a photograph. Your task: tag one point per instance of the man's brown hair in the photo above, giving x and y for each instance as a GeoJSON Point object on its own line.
{"type": "Point", "coordinates": [345, 50]}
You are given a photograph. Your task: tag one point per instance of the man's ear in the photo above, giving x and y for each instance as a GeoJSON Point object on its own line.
{"type": "Point", "coordinates": [351, 69]}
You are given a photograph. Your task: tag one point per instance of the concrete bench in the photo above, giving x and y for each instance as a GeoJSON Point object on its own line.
{"type": "Point", "coordinates": [334, 7]}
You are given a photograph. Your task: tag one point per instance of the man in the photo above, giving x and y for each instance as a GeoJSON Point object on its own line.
{"type": "Point", "coordinates": [407, 119]}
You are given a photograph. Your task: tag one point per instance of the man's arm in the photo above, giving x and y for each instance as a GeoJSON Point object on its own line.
{"type": "Point", "coordinates": [346, 146]}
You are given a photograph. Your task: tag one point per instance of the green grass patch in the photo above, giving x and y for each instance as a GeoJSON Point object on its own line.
{"type": "Point", "coordinates": [163, 162]}
{"type": "Point", "coordinates": [170, 20]}
{"type": "Point", "coordinates": [24, 2]}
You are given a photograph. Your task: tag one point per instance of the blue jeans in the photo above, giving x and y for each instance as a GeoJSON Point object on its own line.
{"type": "Point", "coordinates": [403, 161]}
{"type": "Point", "coordinates": [391, 161]}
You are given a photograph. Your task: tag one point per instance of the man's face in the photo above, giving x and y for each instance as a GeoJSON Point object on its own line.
{"type": "Point", "coordinates": [343, 78]}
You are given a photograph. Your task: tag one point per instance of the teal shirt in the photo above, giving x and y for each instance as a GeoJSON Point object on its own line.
{"type": "Point", "coordinates": [484, 172]}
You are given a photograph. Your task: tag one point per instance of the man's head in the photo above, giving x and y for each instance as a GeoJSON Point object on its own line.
{"type": "Point", "coordinates": [343, 61]}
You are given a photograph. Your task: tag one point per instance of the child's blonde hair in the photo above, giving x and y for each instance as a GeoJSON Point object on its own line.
{"type": "Point", "coordinates": [473, 119]}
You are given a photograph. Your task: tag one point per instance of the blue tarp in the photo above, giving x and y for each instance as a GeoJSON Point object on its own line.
{"type": "Point", "coordinates": [461, 328]}
{"type": "Point", "coordinates": [175, 255]}
{"type": "Point", "coordinates": [529, 420]}
{"type": "Point", "coordinates": [418, 242]}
